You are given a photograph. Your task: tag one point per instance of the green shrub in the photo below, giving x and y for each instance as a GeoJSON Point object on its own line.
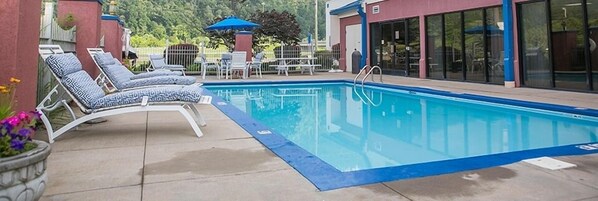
{"type": "Point", "coordinates": [67, 22]}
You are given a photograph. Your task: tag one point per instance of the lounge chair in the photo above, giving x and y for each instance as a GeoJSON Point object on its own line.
{"type": "Point", "coordinates": [256, 64]}
{"type": "Point", "coordinates": [123, 79]}
{"type": "Point", "coordinates": [107, 56]}
{"type": "Point", "coordinates": [46, 50]}
{"type": "Point", "coordinates": [94, 103]}
{"type": "Point", "coordinates": [158, 62]}
{"type": "Point", "coordinates": [239, 63]}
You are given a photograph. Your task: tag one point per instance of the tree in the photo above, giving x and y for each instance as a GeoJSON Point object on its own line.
{"type": "Point", "coordinates": [233, 5]}
{"type": "Point", "coordinates": [275, 27]}
{"type": "Point", "coordinates": [217, 38]}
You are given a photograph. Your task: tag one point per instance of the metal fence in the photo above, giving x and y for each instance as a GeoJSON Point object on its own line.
{"type": "Point", "coordinates": [52, 34]}
{"type": "Point", "coordinates": [189, 56]}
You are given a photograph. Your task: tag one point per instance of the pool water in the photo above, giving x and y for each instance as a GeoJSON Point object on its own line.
{"type": "Point", "coordinates": [352, 130]}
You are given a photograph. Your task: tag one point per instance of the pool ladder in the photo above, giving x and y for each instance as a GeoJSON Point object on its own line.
{"type": "Point", "coordinates": [369, 71]}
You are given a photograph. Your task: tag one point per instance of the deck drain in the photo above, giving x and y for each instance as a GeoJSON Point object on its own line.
{"type": "Point", "coordinates": [264, 132]}
{"type": "Point", "coordinates": [549, 163]}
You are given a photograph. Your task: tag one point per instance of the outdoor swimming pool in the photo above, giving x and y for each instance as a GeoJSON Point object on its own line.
{"type": "Point", "coordinates": [337, 136]}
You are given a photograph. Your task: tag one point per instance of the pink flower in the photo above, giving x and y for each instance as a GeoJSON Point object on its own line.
{"type": "Point", "coordinates": [13, 121]}
{"type": "Point", "coordinates": [23, 116]}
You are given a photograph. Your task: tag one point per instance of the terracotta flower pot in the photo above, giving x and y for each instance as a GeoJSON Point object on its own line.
{"type": "Point", "coordinates": [23, 177]}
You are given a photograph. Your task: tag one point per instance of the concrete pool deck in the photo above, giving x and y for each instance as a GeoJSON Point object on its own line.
{"type": "Point", "coordinates": [156, 156]}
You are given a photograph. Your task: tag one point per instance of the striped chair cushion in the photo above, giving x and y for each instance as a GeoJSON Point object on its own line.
{"type": "Point", "coordinates": [104, 59]}
{"type": "Point", "coordinates": [82, 86]}
{"type": "Point", "coordinates": [119, 75]}
{"type": "Point", "coordinates": [161, 80]}
{"type": "Point", "coordinates": [190, 93]}
{"type": "Point", "coordinates": [161, 72]}
{"type": "Point", "coordinates": [63, 64]}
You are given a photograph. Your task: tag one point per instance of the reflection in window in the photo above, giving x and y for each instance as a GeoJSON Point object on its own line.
{"type": "Point", "coordinates": [474, 45]}
{"type": "Point", "coordinates": [592, 8]}
{"type": "Point", "coordinates": [387, 45]}
{"type": "Point", "coordinates": [376, 35]}
{"type": "Point", "coordinates": [452, 52]}
{"type": "Point", "coordinates": [534, 45]}
{"type": "Point", "coordinates": [494, 41]}
{"type": "Point", "coordinates": [434, 46]}
{"type": "Point", "coordinates": [569, 44]}
{"type": "Point", "coordinates": [414, 47]}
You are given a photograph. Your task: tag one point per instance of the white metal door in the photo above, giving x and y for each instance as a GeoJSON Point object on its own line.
{"type": "Point", "coordinates": [352, 42]}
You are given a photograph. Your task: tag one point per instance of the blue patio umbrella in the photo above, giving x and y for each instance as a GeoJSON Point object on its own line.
{"type": "Point", "coordinates": [490, 29]}
{"type": "Point", "coordinates": [232, 23]}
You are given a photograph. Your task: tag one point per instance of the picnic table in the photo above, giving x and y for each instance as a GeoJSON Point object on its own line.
{"type": "Point", "coordinates": [305, 63]}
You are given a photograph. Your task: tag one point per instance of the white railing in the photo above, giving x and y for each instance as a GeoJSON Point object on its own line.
{"type": "Point", "coordinates": [54, 32]}
{"type": "Point", "coordinates": [189, 57]}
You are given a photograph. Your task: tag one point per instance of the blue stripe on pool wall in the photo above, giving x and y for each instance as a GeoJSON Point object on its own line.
{"type": "Point", "coordinates": [325, 177]}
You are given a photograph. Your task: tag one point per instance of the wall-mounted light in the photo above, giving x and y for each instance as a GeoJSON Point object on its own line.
{"type": "Point", "coordinates": [112, 7]}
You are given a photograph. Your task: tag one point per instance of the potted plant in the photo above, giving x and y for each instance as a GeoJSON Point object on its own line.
{"type": "Point", "coordinates": [22, 160]}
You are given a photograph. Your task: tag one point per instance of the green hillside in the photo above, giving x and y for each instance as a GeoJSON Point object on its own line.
{"type": "Point", "coordinates": [184, 20]}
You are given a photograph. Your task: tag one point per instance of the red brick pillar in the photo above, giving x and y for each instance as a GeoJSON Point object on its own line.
{"type": "Point", "coordinates": [243, 42]}
{"type": "Point", "coordinates": [112, 30]}
{"type": "Point", "coordinates": [87, 14]}
{"type": "Point", "coordinates": [19, 39]}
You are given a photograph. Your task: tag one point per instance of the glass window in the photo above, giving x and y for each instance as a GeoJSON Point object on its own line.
{"type": "Point", "coordinates": [376, 35]}
{"type": "Point", "coordinates": [453, 48]}
{"type": "Point", "coordinates": [568, 43]}
{"type": "Point", "coordinates": [400, 48]}
{"type": "Point", "coordinates": [434, 46]}
{"type": "Point", "coordinates": [474, 45]}
{"type": "Point", "coordinates": [592, 8]}
{"type": "Point", "coordinates": [494, 40]}
{"type": "Point", "coordinates": [534, 45]}
{"type": "Point", "coordinates": [387, 44]}
{"type": "Point", "coordinates": [414, 47]}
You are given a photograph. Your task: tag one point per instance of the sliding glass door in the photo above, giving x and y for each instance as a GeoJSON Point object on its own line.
{"type": "Point", "coordinates": [534, 48]}
{"type": "Point", "coordinates": [558, 44]}
{"type": "Point", "coordinates": [466, 46]}
{"type": "Point", "coordinates": [395, 47]}
{"type": "Point", "coordinates": [567, 36]}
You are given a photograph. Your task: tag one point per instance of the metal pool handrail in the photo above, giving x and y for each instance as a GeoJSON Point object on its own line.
{"type": "Point", "coordinates": [369, 72]}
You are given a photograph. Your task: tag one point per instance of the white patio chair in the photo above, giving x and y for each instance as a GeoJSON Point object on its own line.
{"type": "Point", "coordinates": [238, 63]}
{"type": "Point", "coordinates": [205, 65]}
{"type": "Point", "coordinates": [256, 64]}
{"type": "Point", "coordinates": [158, 62]}
{"type": "Point", "coordinates": [225, 60]}
{"type": "Point", "coordinates": [94, 103]}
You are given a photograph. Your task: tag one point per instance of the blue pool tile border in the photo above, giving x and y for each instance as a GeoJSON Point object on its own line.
{"type": "Point", "coordinates": [325, 177]}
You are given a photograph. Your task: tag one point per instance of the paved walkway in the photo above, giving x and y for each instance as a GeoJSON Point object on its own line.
{"type": "Point", "coordinates": [156, 156]}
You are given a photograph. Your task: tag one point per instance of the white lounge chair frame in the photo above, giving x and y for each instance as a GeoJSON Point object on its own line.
{"type": "Point", "coordinates": [153, 65]}
{"type": "Point", "coordinates": [103, 79]}
{"type": "Point", "coordinates": [47, 105]}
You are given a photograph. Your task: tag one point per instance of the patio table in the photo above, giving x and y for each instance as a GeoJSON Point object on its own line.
{"type": "Point", "coordinates": [305, 63]}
